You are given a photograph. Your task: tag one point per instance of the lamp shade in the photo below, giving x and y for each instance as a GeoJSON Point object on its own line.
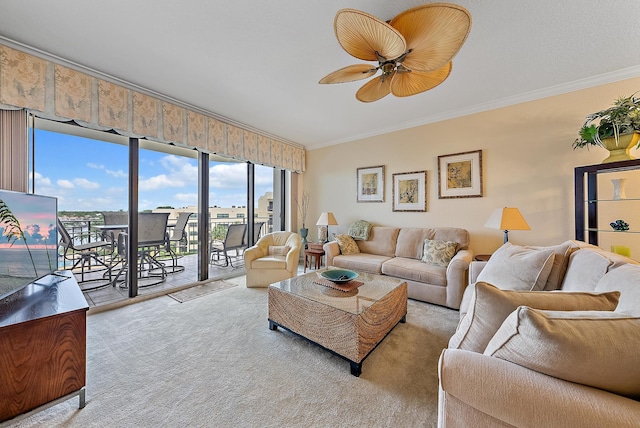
{"type": "Point", "coordinates": [327, 219]}
{"type": "Point", "coordinates": [507, 219]}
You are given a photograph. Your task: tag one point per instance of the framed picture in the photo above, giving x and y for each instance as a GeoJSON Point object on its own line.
{"type": "Point", "coordinates": [460, 175]}
{"type": "Point", "coordinates": [370, 184]}
{"type": "Point", "coordinates": [410, 191]}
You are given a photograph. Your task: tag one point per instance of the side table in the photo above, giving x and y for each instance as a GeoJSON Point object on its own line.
{"type": "Point", "coordinates": [314, 252]}
{"type": "Point", "coordinates": [482, 257]}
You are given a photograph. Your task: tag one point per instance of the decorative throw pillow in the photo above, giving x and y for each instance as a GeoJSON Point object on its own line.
{"type": "Point", "coordinates": [438, 253]}
{"type": "Point", "coordinates": [347, 244]}
{"type": "Point", "coordinates": [560, 262]}
{"type": "Point", "coordinates": [279, 250]}
{"type": "Point", "coordinates": [513, 267]}
{"type": "Point", "coordinates": [598, 349]}
{"type": "Point", "coordinates": [490, 306]}
{"type": "Point", "coordinates": [360, 230]}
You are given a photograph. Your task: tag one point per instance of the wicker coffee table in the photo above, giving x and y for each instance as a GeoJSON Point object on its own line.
{"type": "Point", "coordinates": [349, 324]}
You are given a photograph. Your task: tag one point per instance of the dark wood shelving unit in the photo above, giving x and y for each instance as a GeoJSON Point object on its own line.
{"type": "Point", "coordinates": [43, 337]}
{"type": "Point", "coordinates": [588, 194]}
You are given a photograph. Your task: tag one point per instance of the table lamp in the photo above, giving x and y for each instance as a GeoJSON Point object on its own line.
{"type": "Point", "coordinates": [507, 219]}
{"type": "Point", "coordinates": [326, 219]}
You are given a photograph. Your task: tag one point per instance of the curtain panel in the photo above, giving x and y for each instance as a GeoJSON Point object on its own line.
{"type": "Point", "coordinates": [13, 150]}
{"type": "Point", "coordinates": [53, 91]}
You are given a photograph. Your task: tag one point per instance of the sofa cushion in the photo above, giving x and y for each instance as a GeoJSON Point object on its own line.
{"type": "Point", "coordinates": [415, 270]}
{"type": "Point", "coordinates": [371, 263]}
{"type": "Point", "coordinates": [359, 230]}
{"type": "Point", "coordinates": [411, 242]}
{"type": "Point", "coordinates": [490, 306]}
{"type": "Point", "coordinates": [270, 262]}
{"type": "Point", "coordinates": [513, 267]}
{"type": "Point", "coordinates": [347, 244]}
{"type": "Point", "coordinates": [455, 234]}
{"type": "Point", "coordinates": [382, 241]}
{"type": "Point", "coordinates": [438, 253]}
{"type": "Point", "coordinates": [598, 349]}
{"type": "Point", "coordinates": [585, 269]}
{"type": "Point", "coordinates": [278, 250]}
{"type": "Point", "coordinates": [625, 279]}
{"type": "Point", "coordinates": [560, 262]}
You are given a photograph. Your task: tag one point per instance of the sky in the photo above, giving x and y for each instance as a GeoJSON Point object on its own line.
{"type": "Point", "coordinates": [91, 175]}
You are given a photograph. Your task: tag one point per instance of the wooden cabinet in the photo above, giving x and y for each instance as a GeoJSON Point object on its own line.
{"type": "Point", "coordinates": [596, 207]}
{"type": "Point", "coordinates": [42, 345]}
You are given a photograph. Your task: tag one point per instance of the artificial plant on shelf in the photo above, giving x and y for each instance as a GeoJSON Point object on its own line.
{"type": "Point", "coordinates": [615, 128]}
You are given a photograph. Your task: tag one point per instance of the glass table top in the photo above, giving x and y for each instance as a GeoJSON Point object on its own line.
{"type": "Point", "coordinates": [356, 301]}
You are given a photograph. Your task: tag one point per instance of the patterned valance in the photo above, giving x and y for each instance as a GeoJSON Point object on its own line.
{"type": "Point", "coordinates": [53, 91]}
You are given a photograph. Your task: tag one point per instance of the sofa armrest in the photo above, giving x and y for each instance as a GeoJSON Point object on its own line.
{"type": "Point", "coordinates": [474, 270]}
{"type": "Point", "coordinates": [331, 249]}
{"type": "Point", "coordinates": [457, 277]}
{"type": "Point", "coordinates": [476, 387]}
{"type": "Point", "coordinates": [252, 253]}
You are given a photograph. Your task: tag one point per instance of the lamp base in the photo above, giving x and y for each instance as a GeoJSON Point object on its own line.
{"type": "Point", "coordinates": [322, 234]}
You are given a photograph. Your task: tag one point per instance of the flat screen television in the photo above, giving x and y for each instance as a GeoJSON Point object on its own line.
{"type": "Point", "coordinates": [28, 239]}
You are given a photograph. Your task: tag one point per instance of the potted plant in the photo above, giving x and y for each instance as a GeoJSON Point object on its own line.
{"type": "Point", "coordinates": [303, 207]}
{"type": "Point", "coordinates": [615, 128]}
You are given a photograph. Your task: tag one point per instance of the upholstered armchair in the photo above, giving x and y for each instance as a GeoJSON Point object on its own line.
{"type": "Point", "coordinates": [273, 258]}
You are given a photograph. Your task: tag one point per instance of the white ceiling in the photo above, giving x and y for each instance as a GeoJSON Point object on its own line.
{"type": "Point", "coordinates": [258, 63]}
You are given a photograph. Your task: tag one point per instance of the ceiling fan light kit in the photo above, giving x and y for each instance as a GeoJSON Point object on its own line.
{"type": "Point", "coordinates": [414, 50]}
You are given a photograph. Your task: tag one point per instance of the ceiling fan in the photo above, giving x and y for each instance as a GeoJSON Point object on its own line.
{"type": "Point", "coordinates": [414, 50]}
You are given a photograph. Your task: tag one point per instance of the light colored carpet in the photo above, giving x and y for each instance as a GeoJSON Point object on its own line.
{"type": "Point", "coordinates": [213, 361]}
{"type": "Point", "coordinates": [200, 290]}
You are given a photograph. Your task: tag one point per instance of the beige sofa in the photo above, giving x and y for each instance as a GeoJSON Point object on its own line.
{"type": "Point", "coordinates": [571, 362]}
{"type": "Point", "coordinates": [397, 252]}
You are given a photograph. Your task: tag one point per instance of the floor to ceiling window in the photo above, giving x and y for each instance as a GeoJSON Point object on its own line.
{"type": "Point", "coordinates": [87, 171]}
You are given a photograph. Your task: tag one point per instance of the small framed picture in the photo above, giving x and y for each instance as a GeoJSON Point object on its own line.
{"type": "Point", "coordinates": [370, 184]}
{"type": "Point", "coordinates": [410, 191]}
{"type": "Point", "coordinates": [460, 175]}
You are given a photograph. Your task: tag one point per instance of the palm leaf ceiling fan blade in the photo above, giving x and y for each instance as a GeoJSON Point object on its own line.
{"type": "Point", "coordinates": [374, 89]}
{"type": "Point", "coordinates": [362, 35]}
{"type": "Point", "coordinates": [350, 73]}
{"type": "Point", "coordinates": [434, 33]}
{"type": "Point", "coordinates": [413, 51]}
{"type": "Point", "coordinates": [406, 84]}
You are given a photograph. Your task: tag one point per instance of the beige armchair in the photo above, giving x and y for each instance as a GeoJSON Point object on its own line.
{"type": "Point", "coordinates": [270, 261]}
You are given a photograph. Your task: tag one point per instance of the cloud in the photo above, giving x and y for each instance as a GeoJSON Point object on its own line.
{"type": "Point", "coordinates": [180, 173]}
{"type": "Point", "coordinates": [86, 184]}
{"type": "Point", "coordinates": [65, 184]}
{"type": "Point", "coordinates": [159, 182]}
{"type": "Point", "coordinates": [186, 198]}
{"type": "Point", "coordinates": [228, 176]}
{"type": "Point", "coordinates": [117, 174]}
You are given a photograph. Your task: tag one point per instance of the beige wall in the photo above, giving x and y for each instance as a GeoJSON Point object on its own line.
{"type": "Point", "coordinates": [528, 162]}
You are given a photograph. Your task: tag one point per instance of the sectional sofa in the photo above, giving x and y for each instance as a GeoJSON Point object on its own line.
{"type": "Point", "coordinates": [527, 356]}
{"type": "Point", "coordinates": [399, 252]}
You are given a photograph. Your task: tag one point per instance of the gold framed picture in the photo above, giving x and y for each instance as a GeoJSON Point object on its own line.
{"type": "Point", "coordinates": [460, 175]}
{"type": "Point", "coordinates": [370, 184]}
{"type": "Point", "coordinates": [410, 191]}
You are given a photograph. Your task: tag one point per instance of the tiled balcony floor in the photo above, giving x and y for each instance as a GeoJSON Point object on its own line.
{"type": "Point", "coordinates": [108, 294]}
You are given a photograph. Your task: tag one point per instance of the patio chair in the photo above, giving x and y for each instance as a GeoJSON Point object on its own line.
{"type": "Point", "coordinates": [114, 218]}
{"type": "Point", "coordinates": [178, 234]}
{"type": "Point", "coordinates": [233, 240]}
{"type": "Point", "coordinates": [152, 237]}
{"type": "Point", "coordinates": [257, 228]}
{"type": "Point", "coordinates": [84, 254]}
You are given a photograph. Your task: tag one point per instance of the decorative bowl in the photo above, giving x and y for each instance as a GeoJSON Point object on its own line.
{"type": "Point", "coordinates": [339, 276]}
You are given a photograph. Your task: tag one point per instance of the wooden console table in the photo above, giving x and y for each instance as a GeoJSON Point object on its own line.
{"type": "Point", "coordinates": [43, 337]}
